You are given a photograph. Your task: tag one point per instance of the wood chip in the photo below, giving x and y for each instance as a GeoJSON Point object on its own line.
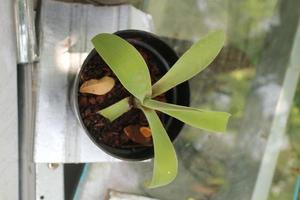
{"type": "Point", "coordinates": [133, 132]}
{"type": "Point", "coordinates": [146, 131]}
{"type": "Point", "coordinates": [98, 86]}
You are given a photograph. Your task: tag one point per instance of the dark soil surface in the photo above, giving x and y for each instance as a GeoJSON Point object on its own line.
{"type": "Point", "coordinates": [100, 128]}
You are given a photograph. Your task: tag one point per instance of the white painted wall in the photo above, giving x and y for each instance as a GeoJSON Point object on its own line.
{"type": "Point", "coordinates": [8, 104]}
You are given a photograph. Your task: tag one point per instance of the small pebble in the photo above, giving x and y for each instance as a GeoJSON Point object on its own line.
{"type": "Point", "coordinates": [83, 101]}
{"type": "Point", "coordinates": [92, 100]}
{"type": "Point", "coordinates": [100, 98]}
{"type": "Point", "coordinates": [87, 112]}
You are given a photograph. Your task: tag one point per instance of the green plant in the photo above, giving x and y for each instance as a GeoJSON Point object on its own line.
{"type": "Point", "coordinates": [126, 62]}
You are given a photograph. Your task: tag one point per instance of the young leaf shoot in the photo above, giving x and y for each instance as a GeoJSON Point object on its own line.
{"type": "Point", "coordinates": [116, 110]}
{"type": "Point", "coordinates": [197, 58]}
{"type": "Point", "coordinates": [126, 62]}
{"type": "Point", "coordinates": [207, 120]}
{"type": "Point", "coordinates": [165, 160]}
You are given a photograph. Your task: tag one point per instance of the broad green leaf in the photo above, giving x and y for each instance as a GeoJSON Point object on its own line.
{"type": "Point", "coordinates": [116, 110]}
{"type": "Point", "coordinates": [197, 58]}
{"type": "Point", "coordinates": [207, 120]}
{"type": "Point", "coordinates": [126, 62]}
{"type": "Point", "coordinates": [165, 160]}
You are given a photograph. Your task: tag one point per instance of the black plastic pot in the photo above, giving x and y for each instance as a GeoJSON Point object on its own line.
{"type": "Point", "coordinates": [179, 95]}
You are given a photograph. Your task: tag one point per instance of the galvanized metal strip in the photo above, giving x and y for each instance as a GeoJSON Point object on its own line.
{"type": "Point", "coordinates": [50, 181]}
{"type": "Point", "coordinates": [25, 28]}
{"type": "Point", "coordinates": [65, 32]}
